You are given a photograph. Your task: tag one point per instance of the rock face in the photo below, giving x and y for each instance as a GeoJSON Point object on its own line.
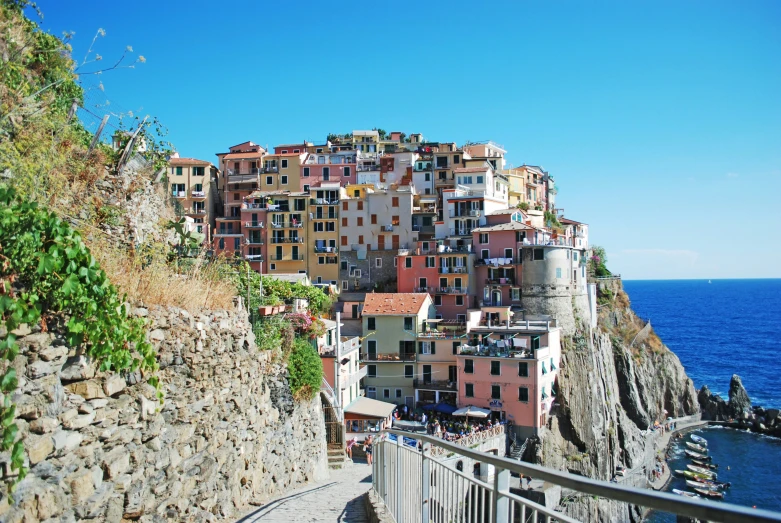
{"type": "Point", "coordinates": [614, 383]}
{"type": "Point", "coordinates": [715, 408]}
{"type": "Point", "coordinates": [100, 447]}
{"type": "Point", "coordinates": [739, 402]}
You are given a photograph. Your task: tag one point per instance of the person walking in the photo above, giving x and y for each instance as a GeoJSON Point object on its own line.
{"type": "Point", "coordinates": [350, 445]}
{"type": "Point", "coordinates": [367, 447]}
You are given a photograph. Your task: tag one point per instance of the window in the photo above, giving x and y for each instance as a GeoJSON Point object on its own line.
{"type": "Point", "coordinates": [496, 392]}
{"type": "Point", "coordinates": [386, 393]}
{"type": "Point", "coordinates": [574, 256]}
{"type": "Point", "coordinates": [515, 294]}
{"type": "Point", "coordinates": [431, 261]}
{"type": "Point", "coordinates": [398, 393]}
{"type": "Point", "coordinates": [198, 171]}
{"type": "Point", "coordinates": [539, 254]}
{"type": "Point", "coordinates": [469, 390]}
{"type": "Point", "coordinates": [178, 171]}
{"type": "Point", "coordinates": [283, 151]}
{"type": "Point", "coordinates": [378, 262]}
{"type": "Point", "coordinates": [344, 240]}
{"type": "Point", "coordinates": [318, 226]}
{"type": "Point", "coordinates": [408, 262]}
{"type": "Point", "coordinates": [456, 158]}
{"type": "Point", "coordinates": [330, 226]}
{"type": "Point", "coordinates": [360, 221]}
{"type": "Point", "coordinates": [523, 369]}
{"type": "Point", "coordinates": [306, 187]}
{"type": "Point", "coordinates": [483, 237]}
{"type": "Point", "coordinates": [479, 179]}
{"type": "Point", "coordinates": [372, 347]}
{"type": "Point", "coordinates": [319, 150]}
{"type": "Point", "coordinates": [425, 347]}
{"type": "Point", "coordinates": [235, 196]}
{"type": "Point", "coordinates": [558, 272]}
{"type": "Point", "coordinates": [360, 239]}
{"type": "Point", "coordinates": [344, 222]}
{"type": "Point", "coordinates": [371, 324]}
{"type": "Point", "coordinates": [395, 201]}
{"type": "Point", "coordinates": [428, 177]}
{"type": "Point", "coordinates": [296, 150]}
{"type": "Point", "coordinates": [523, 394]}
{"type": "Point", "coordinates": [360, 205]}
{"type": "Point", "coordinates": [552, 365]}
{"type": "Point", "coordinates": [269, 180]}
{"type": "Point", "coordinates": [395, 262]}
{"type": "Point", "coordinates": [371, 371]}
{"type": "Point", "coordinates": [408, 371]}
{"type": "Point", "coordinates": [273, 267]}
{"type": "Point", "coordinates": [284, 164]}
{"type": "Point", "coordinates": [345, 206]}
{"type": "Point", "coordinates": [408, 323]}
{"type": "Point", "coordinates": [344, 265]}
{"type": "Point", "coordinates": [459, 300]}
{"type": "Point", "coordinates": [456, 345]}
{"type": "Point", "coordinates": [496, 367]}
{"type": "Point", "coordinates": [347, 173]}
{"type": "Point", "coordinates": [284, 179]}
{"type": "Point", "coordinates": [469, 366]}
{"type": "Point", "coordinates": [326, 173]}
{"type": "Point", "coordinates": [321, 260]}
{"type": "Point", "coordinates": [438, 300]}
{"type": "Point", "coordinates": [374, 219]}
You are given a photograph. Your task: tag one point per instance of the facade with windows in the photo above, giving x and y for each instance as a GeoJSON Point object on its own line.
{"type": "Point", "coordinates": [511, 368]}
{"type": "Point", "coordinates": [323, 235]}
{"type": "Point", "coordinates": [192, 185]}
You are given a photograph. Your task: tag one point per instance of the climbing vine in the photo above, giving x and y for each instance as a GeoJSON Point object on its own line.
{"type": "Point", "coordinates": [46, 268]}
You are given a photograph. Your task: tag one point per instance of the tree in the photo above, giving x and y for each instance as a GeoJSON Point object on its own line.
{"type": "Point", "coordinates": [382, 133]}
{"type": "Point", "coordinates": [597, 262]}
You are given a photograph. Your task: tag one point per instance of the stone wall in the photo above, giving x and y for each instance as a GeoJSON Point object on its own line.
{"type": "Point", "coordinates": [99, 446]}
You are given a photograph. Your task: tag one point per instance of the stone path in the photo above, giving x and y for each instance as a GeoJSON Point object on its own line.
{"type": "Point", "coordinates": [662, 444]}
{"type": "Point", "coordinates": [338, 499]}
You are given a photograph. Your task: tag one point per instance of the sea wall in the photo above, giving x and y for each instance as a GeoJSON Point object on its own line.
{"type": "Point", "coordinates": [99, 445]}
{"type": "Point", "coordinates": [610, 391]}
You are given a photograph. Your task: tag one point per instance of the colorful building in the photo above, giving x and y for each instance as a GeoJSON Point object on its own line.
{"type": "Point", "coordinates": [192, 184]}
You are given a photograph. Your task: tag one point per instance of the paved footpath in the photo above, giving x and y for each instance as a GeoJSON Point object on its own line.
{"type": "Point", "coordinates": [337, 499]}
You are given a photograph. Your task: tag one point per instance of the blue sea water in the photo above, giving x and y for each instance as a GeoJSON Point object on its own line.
{"type": "Point", "coordinates": [719, 329]}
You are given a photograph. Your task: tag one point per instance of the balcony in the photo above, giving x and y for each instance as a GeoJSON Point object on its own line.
{"type": "Point", "coordinates": [351, 379]}
{"type": "Point", "coordinates": [423, 229]}
{"type": "Point", "coordinates": [198, 194]}
{"type": "Point", "coordinates": [321, 216]}
{"type": "Point", "coordinates": [426, 166]}
{"type": "Point", "coordinates": [326, 250]}
{"type": "Point", "coordinates": [462, 231]}
{"type": "Point", "coordinates": [287, 257]}
{"type": "Point", "coordinates": [453, 270]}
{"type": "Point", "coordinates": [280, 239]}
{"type": "Point", "coordinates": [197, 212]}
{"type": "Point", "coordinates": [450, 334]}
{"type": "Point", "coordinates": [469, 213]}
{"type": "Point", "coordinates": [228, 232]}
{"type": "Point", "coordinates": [429, 290]}
{"type": "Point", "coordinates": [450, 290]}
{"type": "Point", "coordinates": [389, 358]}
{"type": "Point", "coordinates": [499, 281]}
{"type": "Point", "coordinates": [425, 209]}
{"type": "Point", "coordinates": [370, 167]}
{"type": "Point", "coordinates": [496, 262]}
{"type": "Point", "coordinates": [255, 206]}
{"type": "Point", "coordinates": [286, 225]}
{"type": "Point", "coordinates": [179, 194]}
{"type": "Point", "coordinates": [434, 384]}
{"type": "Point", "coordinates": [255, 241]}
{"type": "Point", "coordinates": [269, 169]}
{"type": "Point", "coordinates": [323, 201]}
{"type": "Point", "coordinates": [496, 351]}
{"type": "Point", "coordinates": [253, 257]}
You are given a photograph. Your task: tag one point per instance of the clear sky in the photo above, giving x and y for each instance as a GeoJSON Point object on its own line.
{"type": "Point", "coordinates": [661, 121]}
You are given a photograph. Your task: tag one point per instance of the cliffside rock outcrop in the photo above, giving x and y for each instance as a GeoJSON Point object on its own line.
{"type": "Point", "coordinates": [101, 447]}
{"type": "Point", "coordinates": [715, 408]}
{"type": "Point", "coordinates": [614, 383]}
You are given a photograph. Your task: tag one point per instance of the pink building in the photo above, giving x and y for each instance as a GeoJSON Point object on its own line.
{"type": "Point", "coordinates": [510, 366]}
{"type": "Point", "coordinates": [498, 259]}
{"type": "Point", "coordinates": [328, 168]}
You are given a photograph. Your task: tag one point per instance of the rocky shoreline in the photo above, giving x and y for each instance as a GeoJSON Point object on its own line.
{"type": "Point", "coordinates": [737, 411]}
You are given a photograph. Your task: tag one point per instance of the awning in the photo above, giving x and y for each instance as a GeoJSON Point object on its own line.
{"type": "Point", "coordinates": [372, 408]}
{"type": "Point", "coordinates": [473, 412]}
{"type": "Point", "coordinates": [444, 408]}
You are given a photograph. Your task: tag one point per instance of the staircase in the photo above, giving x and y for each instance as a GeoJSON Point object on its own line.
{"type": "Point", "coordinates": [337, 459]}
{"type": "Point", "coordinates": [516, 451]}
{"type": "Point", "coordinates": [334, 433]}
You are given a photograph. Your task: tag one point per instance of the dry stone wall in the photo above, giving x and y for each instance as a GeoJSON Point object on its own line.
{"type": "Point", "coordinates": [101, 447]}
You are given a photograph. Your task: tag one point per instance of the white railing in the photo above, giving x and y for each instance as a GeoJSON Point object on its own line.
{"type": "Point", "coordinates": [416, 487]}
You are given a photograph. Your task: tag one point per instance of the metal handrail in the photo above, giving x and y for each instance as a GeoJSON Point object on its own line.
{"type": "Point", "coordinates": [699, 509]}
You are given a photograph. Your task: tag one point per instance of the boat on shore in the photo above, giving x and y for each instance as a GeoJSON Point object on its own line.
{"type": "Point", "coordinates": [698, 448]}
{"type": "Point", "coordinates": [684, 493]}
{"type": "Point", "coordinates": [697, 455]}
{"type": "Point", "coordinates": [704, 464]}
{"type": "Point", "coordinates": [699, 440]}
{"type": "Point", "coordinates": [710, 493]}
{"type": "Point", "coordinates": [703, 471]}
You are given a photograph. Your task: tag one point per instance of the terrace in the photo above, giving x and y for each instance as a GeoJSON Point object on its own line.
{"type": "Point", "coordinates": [389, 358]}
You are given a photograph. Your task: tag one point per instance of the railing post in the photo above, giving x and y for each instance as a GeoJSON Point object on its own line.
{"type": "Point", "coordinates": [399, 503]}
{"type": "Point", "coordinates": [425, 483]}
{"type": "Point", "coordinates": [501, 508]}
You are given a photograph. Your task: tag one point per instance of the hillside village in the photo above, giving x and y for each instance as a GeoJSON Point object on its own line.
{"type": "Point", "coordinates": [455, 274]}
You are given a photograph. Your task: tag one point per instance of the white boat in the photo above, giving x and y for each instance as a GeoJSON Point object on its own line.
{"type": "Point", "coordinates": [697, 484]}
{"type": "Point", "coordinates": [698, 448]}
{"type": "Point", "coordinates": [705, 472]}
{"type": "Point", "coordinates": [699, 440]}
{"type": "Point", "coordinates": [684, 493]}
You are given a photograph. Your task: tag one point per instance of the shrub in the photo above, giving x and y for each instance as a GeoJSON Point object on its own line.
{"type": "Point", "coordinates": [305, 369]}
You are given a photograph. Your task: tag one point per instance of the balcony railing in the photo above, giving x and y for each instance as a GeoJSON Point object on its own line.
{"type": "Point", "coordinates": [254, 225]}
{"type": "Point", "coordinates": [403, 356]}
{"type": "Point", "coordinates": [461, 231]}
{"type": "Point", "coordinates": [323, 201]}
{"type": "Point", "coordinates": [353, 378]}
{"type": "Point", "coordinates": [424, 289]}
{"type": "Point", "coordinates": [434, 384]}
{"type": "Point", "coordinates": [179, 194]}
{"type": "Point", "coordinates": [255, 241]}
{"type": "Point", "coordinates": [450, 290]}
{"type": "Point", "coordinates": [425, 209]}
{"type": "Point", "coordinates": [497, 262]}
{"type": "Point", "coordinates": [277, 239]}
{"type": "Point", "coordinates": [468, 213]}
{"type": "Point", "coordinates": [261, 206]}
{"type": "Point", "coordinates": [362, 168]}
{"type": "Point", "coordinates": [287, 257]}
{"type": "Point", "coordinates": [499, 281]}
{"type": "Point", "coordinates": [198, 212]}
{"type": "Point", "coordinates": [253, 257]}
{"type": "Point", "coordinates": [442, 335]}
{"type": "Point", "coordinates": [323, 216]}
{"type": "Point", "coordinates": [326, 250]}
{"type": "Point", "coordinates": [453, 270]}
{"type": "Point", "coordinates": [228, 232]}
{"type": "Point", "coordinates": [198, 194]}
{"type": "Point", "coordinates": [286, 225]}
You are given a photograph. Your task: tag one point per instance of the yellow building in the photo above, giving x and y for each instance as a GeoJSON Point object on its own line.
{"type": "Point", "coordinates": [286, 226]}
{"type": "Point", "coordinates": [190, 185]}
{"type": "Point", "coordinates": [323, 234]}
{"type": "Point", "coordinates": [282, 172]}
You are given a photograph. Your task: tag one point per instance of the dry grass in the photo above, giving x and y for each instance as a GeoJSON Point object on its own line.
{"type": "Point", "coordinates": [150, 279]}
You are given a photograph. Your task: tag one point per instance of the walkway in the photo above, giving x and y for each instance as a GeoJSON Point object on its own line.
{"type": "Point", "coordinates": [338, 499]}
{"type": "Point", "coordinates": [661, 446]}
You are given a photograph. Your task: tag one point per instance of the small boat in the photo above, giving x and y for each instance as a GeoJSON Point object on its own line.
{"type": "Point", "coordinates": [704, 464]}
{"type": "Point", "coordinates": [710, 493]}
{"type": "Point", "coordinates": [697, 455]}
{"type": "Point", "coordinates": [696, 447]}
{"type": "Point", "coordinates": [692, 475]}
{"type": "Point", "coordinates": [704, 472]}
{"type": "Point", "coordinates": [699, 440]}
{"type": "Point", "coordinates": [698, 484]}
{"type": "Point", "coordinates": [684, 493]}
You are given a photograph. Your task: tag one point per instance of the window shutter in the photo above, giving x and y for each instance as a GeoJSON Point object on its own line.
{"type": "Point", "coordinates": [433, 348]}
{"type": "Point", "coordinates": [420, 347]}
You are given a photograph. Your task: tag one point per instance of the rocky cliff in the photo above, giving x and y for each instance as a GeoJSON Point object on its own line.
{"type": "Point", "coordinates": [738, 411]}
{"type": "Point", "coordinates": [614, 382]}
{"type": "Point", "coordinates": [228, 434]}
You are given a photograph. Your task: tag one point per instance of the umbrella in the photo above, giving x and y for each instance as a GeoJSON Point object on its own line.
{"type": "Point", "coordinates": [475, 412]}
{"type": "Point", "coordinates": [445, 408]}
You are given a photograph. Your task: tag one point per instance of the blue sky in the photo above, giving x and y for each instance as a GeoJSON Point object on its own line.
{"type": "Point", "coordinates": [661, 121]}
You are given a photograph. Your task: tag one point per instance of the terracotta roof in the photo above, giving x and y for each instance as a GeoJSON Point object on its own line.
{"type": "Point", "coordinates": [570, 222]}
{"type": "Point", "coordinates": [393, 304]}
{"type": "Point", "coordinates": [188, 161]}
{"type": "Point", "coordinates": [512, 226]}
{"type": "Point", "coordinates": [471, 169]}
{"type": "Point", "coordinates": [238, 156]}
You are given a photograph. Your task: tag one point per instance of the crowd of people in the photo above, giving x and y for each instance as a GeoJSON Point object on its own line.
{"type": "Point", "coordinates": [445, 426]}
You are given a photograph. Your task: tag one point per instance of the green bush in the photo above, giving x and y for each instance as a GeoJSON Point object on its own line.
{"type": "Point", "coordinates": [305, 369]}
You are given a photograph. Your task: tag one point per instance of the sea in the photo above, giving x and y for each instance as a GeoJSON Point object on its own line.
{"type": "Point", "coordinates": [719, 328]}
